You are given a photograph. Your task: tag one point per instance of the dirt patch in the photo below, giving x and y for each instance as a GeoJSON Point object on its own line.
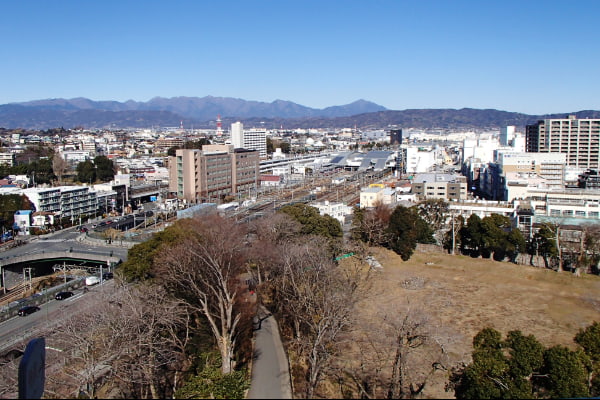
{"type": "Point", "coordinates": [462, 295]}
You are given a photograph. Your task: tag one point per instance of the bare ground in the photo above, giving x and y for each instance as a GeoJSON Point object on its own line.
{"type": "Point", "coordinates": [462, 295]}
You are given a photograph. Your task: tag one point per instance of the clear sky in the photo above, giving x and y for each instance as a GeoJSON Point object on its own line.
{"type": "Point", "coordinates": [529, 56]}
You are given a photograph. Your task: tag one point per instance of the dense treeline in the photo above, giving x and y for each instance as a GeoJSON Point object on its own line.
{"type": "Point", "coordinates": [520, 367]}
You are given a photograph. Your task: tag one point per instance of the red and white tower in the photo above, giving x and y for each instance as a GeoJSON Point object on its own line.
{"type": "Point", "coordinates": [219, 127]}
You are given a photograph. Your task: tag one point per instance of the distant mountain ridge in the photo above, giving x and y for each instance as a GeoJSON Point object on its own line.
{"type": "Point", "coordinates": [201, 112]}
{"type": "Point", "coordinates": [207, 108]}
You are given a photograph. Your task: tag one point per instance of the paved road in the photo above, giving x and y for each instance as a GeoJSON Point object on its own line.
{"type": "Point", "coordinates": [270, 372]}
{"type": "Point", "coordinates": [18, 329]}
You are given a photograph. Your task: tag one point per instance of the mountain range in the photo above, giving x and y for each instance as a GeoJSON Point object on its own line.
{"type": "Point", "coordinates": [201, 112]}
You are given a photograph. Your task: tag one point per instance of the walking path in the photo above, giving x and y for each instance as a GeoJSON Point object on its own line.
{"type": "Point", "coordinates": [270, 370]}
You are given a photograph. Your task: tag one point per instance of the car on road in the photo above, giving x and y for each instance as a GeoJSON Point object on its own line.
{"type": "Point", "coordinates": [63, 295]}
{"type": "Point", "coordinates": [92, 280]}
{"type": "Point", "coordinates": [27, 310]}
{"type": "Point", "coordinates": [107, 275]}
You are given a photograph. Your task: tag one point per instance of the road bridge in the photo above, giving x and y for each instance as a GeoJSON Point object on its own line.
{"type": "Point", "coordinates": [12, 268]}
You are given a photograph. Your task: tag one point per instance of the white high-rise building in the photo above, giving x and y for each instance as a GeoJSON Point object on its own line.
{"type": "Point", "coordinates": [507, 134]}
{"type": "Point", "coordinates": [237, 135]}
{"type": "Point", "coordinates": [251, 139]}
{"type": "Point", "coordinates": [256, 139]}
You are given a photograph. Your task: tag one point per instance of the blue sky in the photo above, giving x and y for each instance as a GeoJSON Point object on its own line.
{"type": "Point", "coordinates": [527, 56]}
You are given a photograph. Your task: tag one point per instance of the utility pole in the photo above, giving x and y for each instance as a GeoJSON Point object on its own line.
{"type": "Point", "coordinates": [453, 233]}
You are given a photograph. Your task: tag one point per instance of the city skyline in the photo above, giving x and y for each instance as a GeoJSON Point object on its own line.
{"type": "Point", "coordinates": [535, 57]}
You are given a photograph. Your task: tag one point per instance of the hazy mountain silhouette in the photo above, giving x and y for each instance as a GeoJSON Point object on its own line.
{"type": "Point", "coordinates": [201, 112]}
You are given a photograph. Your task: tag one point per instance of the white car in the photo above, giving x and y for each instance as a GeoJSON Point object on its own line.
{"type": "Point", "coordinates": [92, 280]}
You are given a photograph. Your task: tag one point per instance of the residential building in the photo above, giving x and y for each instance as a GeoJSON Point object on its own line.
{"type": "Point", "coordinates": [579, 139]}
{"type": "Point", "coordinates": [336, 210]}
{"type": "Point", "coordinates": [376, 194]}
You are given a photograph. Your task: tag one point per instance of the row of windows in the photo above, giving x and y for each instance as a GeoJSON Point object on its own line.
{"type": "Point", "coordinates": [577, 213]}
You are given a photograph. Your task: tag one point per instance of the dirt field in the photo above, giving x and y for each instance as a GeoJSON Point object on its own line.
{"type": "Point", "coordinates": [462, 295]}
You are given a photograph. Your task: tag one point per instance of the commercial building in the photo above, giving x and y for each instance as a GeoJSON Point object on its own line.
{"type": "Point", "coordinates": [440, 186]}
{"type": "Point", "coordinates": [501, 179]}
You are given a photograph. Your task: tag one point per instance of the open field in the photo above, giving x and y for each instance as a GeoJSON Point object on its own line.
{"type": "Point", "coordinates": [461, 295]}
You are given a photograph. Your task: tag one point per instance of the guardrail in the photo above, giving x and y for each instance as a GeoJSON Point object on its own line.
{"type": "Point", "coordinates": [10, 310]}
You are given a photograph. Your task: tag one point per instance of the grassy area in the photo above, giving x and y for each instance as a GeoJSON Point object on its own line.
{"type": "Point", "coordinates": [461, 295]}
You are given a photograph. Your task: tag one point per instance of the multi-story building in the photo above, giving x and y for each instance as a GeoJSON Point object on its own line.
{"type": "Point", "coordinates": [516, 166]}
{"type": "Point", "coordinates": [63, 201]}
{"type": "Point", "coordinates": [211, 173]}
{"type": "Point", "coordinates": [165, 143]}
{"type": "Point", "coordinates": [44, 199]}
{"type": "Point", "coordinates": [440, 186]}
{"type": "Point", "coordinates": [579, 139]}
{"type": "Point", "coordinates": [256, 139]}
{"type": "Point", "coordinates": [77, 201]}
{"type": "Point", "coordinates": [396, 136]}
{"type": "Point", "coordinates": [252, 139]}
{"type": "Point", "coordinates": [7, 159]}
{"type": "Point", "coordinates": [237, 134]}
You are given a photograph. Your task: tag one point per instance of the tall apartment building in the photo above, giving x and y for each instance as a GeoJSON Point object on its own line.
{"type": "Point", "coordinates": [579, 139]}
{"type": "Point", "coordinates": [215, 171]}
{"type": "Point", "coordinates": [252, 139]}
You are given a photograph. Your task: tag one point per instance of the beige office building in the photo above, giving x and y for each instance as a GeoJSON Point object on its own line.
{"type": "Point", "coordinates": [439, 186]}
{"type": "Point", "coordinates": [209, 174]}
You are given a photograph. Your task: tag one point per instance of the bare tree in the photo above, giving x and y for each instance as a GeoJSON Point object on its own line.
{"type": "Point", "coordinates": [59, 166]}
{"type": "Point", "coordinates": [153, 331]}
{"type": "Point", "coordinates": [316, 298]}
{"type": "Point", "coordinates": [400, 362]}
{"type": "Point", "coordinates": [591, 245]}
{"type": "Point", "coordinates": [373, 226]}
{"type": "Point", "coordinates": [84, 341]}
{"type": "Point", "coordinates": [137, 336]}
{"type": "Point", "coordinates": [204, 271]}
{"type": "Point", "coordinates": [265, 237]}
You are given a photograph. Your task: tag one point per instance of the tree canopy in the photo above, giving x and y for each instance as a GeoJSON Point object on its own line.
{"type": "Point", "coordinates": [406, 228]}
{"type": "Point", "coordinates": [312, 222]}
{"type": "Point", "coordinates": [519, 367]}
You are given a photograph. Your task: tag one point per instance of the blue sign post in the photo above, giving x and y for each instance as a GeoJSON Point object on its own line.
{"type": "Point", "coordinates": [32, 370]}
